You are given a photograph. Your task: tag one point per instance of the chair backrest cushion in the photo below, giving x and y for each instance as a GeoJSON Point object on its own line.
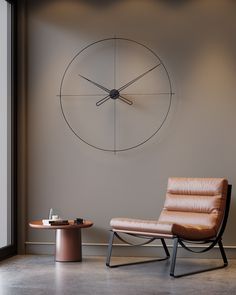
{"type": "Point", "coordinates": [195, 202]}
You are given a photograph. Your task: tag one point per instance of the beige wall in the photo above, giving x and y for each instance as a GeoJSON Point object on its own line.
{"type": "Point", "coordinates": [196, 40]}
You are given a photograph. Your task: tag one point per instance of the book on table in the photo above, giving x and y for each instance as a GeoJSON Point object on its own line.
{"type": "Point", "coordinates": [52, 222]}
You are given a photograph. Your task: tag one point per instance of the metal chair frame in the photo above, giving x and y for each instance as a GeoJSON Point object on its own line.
{"type": "Point", "coordinates": [177, 241]}
{"type": "Point", "coordinates": [150, 240]}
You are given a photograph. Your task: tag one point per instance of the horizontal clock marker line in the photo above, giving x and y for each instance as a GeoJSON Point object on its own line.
{"type": "Point", "coordinates": [80, 95]}
{"type": "Point", "coordinates": [159, 93]}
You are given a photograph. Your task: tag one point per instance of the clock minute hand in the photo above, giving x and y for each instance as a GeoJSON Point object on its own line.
{"type": "Point", "coordinates": [137, 78]}
{"type": "Point", "coordinates": [96, 84]}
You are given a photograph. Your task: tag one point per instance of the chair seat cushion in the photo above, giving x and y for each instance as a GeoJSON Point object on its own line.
{"type": "Point", "coordinates": [143, 226]}
{"type": "Point", "coordinates": [140, 225]}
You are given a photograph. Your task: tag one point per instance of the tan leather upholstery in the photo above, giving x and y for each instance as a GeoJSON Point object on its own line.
{"type": "Point", "coordinates": [193, 210]}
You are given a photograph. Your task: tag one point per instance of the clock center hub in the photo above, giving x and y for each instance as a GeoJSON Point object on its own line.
{"type": "Point", "coordinates": [114, 94]}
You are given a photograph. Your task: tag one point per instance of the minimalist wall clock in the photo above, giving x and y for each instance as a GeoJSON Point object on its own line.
{"type": "Point", "coordinates": [115, 94]}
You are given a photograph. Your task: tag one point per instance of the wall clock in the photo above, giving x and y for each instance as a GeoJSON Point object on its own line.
{"type": "Point", "coordinates": [115, 94]}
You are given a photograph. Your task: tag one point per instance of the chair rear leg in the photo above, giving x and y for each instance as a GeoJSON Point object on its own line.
{"type": "Point", "coordinates": [174, 255]}
{"type": "Point", "coordinates": [175, 247]}
{"type": "Point", "coordinates": [110, 248]}
{"type": "Point", "coordinates": [222, 251]}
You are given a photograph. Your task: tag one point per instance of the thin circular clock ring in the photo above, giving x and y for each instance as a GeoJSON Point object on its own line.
{"type": "Point", "coordinates": [116, 94]}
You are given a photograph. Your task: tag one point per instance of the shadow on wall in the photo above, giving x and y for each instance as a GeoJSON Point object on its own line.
{"type": "Point", "coordinates": [105, 3]}
{"type": "Point", "coordinates": [99, 4]}
{"type": "Point", "coordinates": [232, 215]}
{"type": "Point", "coordinates": [174, 3]}
{"type": "Point", "coordinates": [102, 3]}
{"type": "Point", "coordinates": [180, 27]}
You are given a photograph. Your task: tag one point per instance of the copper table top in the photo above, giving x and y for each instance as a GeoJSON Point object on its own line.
{"type": "Point", "coordinates": [71, 225]}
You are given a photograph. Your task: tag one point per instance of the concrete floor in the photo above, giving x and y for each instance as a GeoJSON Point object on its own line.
{"type": "Point", "coordinates": [41, 275]}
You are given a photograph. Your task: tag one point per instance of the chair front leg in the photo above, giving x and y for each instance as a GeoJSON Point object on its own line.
{"type": "Point", "coordinates": [110, 248]}
{"type": "Point", "coordinates": [174, 255]}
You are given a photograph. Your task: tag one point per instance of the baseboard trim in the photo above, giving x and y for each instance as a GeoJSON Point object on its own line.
{"type": "Point", "coordinates": [153, 250]}
{"type": "Point", "coordinates": [121, 245]}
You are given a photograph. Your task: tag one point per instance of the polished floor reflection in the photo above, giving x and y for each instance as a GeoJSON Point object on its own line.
{"type": "Point", "coordinates": [41, 275]}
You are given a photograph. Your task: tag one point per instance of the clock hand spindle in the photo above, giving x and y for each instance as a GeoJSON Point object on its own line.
{"type": "Point", "coordinates": [101, 101]}
{"type": "Point", "coordinates": [137, 78]}
{"type": "Point", "coordinates": [126, 100]}
{"type": "Point", "coordinates": [96, 84]}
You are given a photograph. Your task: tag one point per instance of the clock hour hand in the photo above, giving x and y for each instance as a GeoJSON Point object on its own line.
{"type": "Point", "coordinates": [114, 94]}
{"type": "Point", "coordinates": [137, 78]}
{"type": "Point", "coordinates": [101, 101]}
{"type": "Point", "coordinates": [96, 84]}
{"type": "Point", "coordinates": [126, 100]}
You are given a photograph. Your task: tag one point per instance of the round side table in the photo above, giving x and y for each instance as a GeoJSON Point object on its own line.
{"type": "Point", "coordinates": [68, 239]}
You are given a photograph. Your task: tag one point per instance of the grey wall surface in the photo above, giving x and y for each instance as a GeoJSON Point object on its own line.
{"type": "Point", "coordinates": [196, 40]}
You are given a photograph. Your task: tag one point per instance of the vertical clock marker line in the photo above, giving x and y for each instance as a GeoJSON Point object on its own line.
{"type": "Point", "coordinates": [114, 99]}
{"type": "Point", "coordinates": [114, 126]}
{"type": "Point", "coordinates": [115, 62]}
